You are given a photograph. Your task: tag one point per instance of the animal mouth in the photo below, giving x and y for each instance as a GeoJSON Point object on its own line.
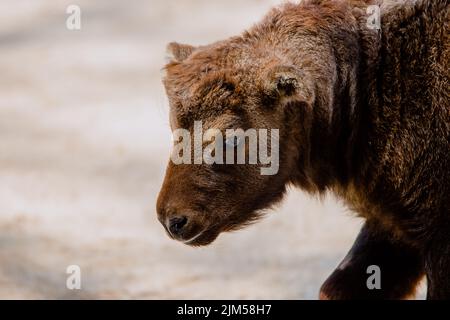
{"type": "Point", "coordinates": [192, 239]}
{"type": "Point", "coordinates": [195, 235]}
{"type": "Point", "coordinates": [203, 238]}
{"type": "Point", "coordinates": [199, 239]}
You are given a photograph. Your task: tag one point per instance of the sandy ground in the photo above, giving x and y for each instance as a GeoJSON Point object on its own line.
{"type": "Point", "coordinates": [84, 142]}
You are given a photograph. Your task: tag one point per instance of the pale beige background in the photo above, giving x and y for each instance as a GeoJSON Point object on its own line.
{"type": "Point", "coordinates": [84, 141]}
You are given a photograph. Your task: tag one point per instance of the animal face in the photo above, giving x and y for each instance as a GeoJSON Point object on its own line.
{"type": "Point", "coordinates": [226, 86]}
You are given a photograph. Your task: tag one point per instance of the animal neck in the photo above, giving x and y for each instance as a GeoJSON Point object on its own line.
{"type": "Point", "coordinates": [375, 99]}
{"type": "Point", "coordinates": [395, 64]}
{"type": "Point", "coordinates": [345, 71]}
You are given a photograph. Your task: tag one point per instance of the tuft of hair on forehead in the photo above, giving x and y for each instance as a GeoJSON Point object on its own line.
{"type": "Point", "coordinates": [209, 68]}
{"type": "Point", "coordinates": [215, 94]}
{"type": "Point", "coordinates": [218, 81]}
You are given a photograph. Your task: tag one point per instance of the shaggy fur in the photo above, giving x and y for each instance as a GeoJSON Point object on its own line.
{"type": "Point", "coordinates": [363, 113]}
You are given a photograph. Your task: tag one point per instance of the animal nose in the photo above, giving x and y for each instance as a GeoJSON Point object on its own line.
{"type": "Point", "coordinates": [176, 225]}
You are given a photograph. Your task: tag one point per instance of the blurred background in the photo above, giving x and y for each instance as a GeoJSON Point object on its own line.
{"type": "Point", "coordinates": [84, 141]}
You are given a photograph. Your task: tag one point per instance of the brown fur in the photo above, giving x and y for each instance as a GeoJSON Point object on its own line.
{"type": "Point", "coordinates": [364, 114]}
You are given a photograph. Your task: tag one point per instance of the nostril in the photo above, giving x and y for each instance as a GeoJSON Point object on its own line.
{"type": "Point", "coordinates": [176, 225]}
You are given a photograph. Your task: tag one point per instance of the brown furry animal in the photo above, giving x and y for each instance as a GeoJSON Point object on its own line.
{"type": "Point", "coordinates": [363, 113]}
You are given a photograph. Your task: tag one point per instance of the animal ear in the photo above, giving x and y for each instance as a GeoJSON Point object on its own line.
{"type": "Point", "coordinates": [177, 52]}
{"type": "Point", "coordinates": [288, 83]}
{"type": "Point", "coordinates": [282, 82]}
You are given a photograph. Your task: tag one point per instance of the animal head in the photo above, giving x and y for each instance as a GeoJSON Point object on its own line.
{"type": "Point", "coordinates": [265, 79]}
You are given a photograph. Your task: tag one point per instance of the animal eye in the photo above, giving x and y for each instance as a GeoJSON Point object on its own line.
{"type": "Point", "coordinates": [232, 142]}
